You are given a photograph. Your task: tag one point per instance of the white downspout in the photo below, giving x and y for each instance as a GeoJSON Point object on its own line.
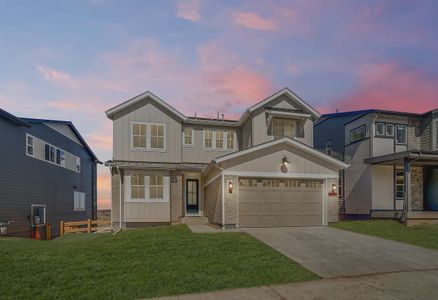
{"type": "Point", "coordinates": [223, 201]}
{"type": "Point", "coordinates": [120, 198]}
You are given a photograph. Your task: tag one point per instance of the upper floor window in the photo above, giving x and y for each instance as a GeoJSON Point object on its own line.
{"type": "Point", "coordinates": [230, 140]}
{"type": "Point", "coordinates": [219, 139]}
{"type": "Point", "coordinates": [78, 164]}
{"type": "Point", "coordinates": [50, 153]}
{"type": "Point", "coordinates": [401, 134]}
{"type": "Point", "coordinates": [139, 135]}
{"type": "Point", "coordinates": [208, 138]}
{"type": "Point", "coordinates": [358, 134]}
{"type": "Point", "coordinates": [282, 128]}
{"type": "Point", "coordinates": [29, 145]}
{"type": "Point", "coordinates": [148, 136]}
{"type": "Point", "coordinates": [188, 136]}
{"type": "Point", "coordinates": [157, 136]}
{"type": "Point", "coordinates": [328, 148]}
{"type": "Point", "coordinates": [389, 129]}
{"type": "Point", "coordinates": [380, 129]}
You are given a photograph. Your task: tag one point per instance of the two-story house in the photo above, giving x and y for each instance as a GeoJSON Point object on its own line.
{"type": "Point", "coordinates": [48, 174]}
{"type": "Point", "coordinates": [260, 170]}
{"type": "Point", "coordinates": [394, 162]}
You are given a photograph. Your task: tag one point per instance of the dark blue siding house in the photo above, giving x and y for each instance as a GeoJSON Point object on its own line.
{"type": "Point", "coordinates": [47, 174]}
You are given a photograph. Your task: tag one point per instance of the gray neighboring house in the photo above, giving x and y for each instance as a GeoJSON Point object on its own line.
{"type": "Point", "coordinates": [258, 171]}
{"type": "Point", "coordinates": [394, 162]}
{"type": "Point", "coordinates": [48, 174]}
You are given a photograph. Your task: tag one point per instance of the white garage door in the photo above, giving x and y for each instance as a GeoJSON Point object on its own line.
{"type": "Point", "coordinates": [279, 202]}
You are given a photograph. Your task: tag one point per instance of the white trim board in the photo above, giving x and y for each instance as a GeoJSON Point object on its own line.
{"type": "Point", "coordinates": [289, 141]}
{"type": "Point", "coordinates": [278, 175]}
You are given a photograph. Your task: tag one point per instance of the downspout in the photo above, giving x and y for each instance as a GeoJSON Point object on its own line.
{"type": "Point", "coordinates": [120, 198]}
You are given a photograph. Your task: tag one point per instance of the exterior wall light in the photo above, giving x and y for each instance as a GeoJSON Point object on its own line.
{"type": "Point", "coordinates": [230, 187]}
{"type": "Point", "coordinates": [284, 163]}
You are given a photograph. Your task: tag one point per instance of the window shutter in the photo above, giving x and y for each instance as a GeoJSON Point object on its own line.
{"type": "Point", "coordinates": [146, 187]}
{"type": "Point", "coordinates": [127, 186]}
{"type": "Point", "coordinates": [166, 188]}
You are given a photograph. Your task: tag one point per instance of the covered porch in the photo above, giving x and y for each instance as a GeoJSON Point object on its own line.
{"type": "Point", "coordinates": [419, 188]}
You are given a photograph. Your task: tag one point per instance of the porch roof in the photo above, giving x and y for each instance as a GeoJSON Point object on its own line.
{"type": "Point", "coordinates": [415, 157]}
{"type": "Point", "coordinates": [156, 166]}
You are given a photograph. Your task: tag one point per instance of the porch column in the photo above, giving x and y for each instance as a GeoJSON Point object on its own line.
{"type": "Point", "coordinates": [407, 171]}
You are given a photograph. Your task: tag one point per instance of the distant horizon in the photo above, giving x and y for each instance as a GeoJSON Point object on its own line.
{"type": "Point", "coordinates": [72, 60]}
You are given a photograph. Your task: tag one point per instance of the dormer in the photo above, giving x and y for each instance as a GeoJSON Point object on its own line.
{"type": "Point", "coordinates": [282, 114]}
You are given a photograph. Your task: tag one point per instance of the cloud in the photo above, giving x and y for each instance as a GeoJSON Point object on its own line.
{"type": "Point", "coordinates": [58, 77]}
{"type": "Point", "coordinates": [104, 188]}
{"type": "Point", "coordinates": [252, 20]}
{"type": "Point", "coordinates": [64, 105]}
{"type": "Point", "coordinates": [189, 10]}
{"type": "Point", "coordinates": [391, 86]}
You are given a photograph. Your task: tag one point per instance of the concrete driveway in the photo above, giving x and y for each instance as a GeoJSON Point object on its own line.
{"type": "Point", "coordinates": [331, 252]}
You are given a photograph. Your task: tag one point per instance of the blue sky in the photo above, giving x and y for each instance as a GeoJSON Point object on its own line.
{"type": "Point", "coordinates": [75, 59]}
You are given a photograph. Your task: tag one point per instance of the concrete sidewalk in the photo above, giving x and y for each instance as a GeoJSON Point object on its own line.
{"type": "Point", "coordinates": [402, 285]}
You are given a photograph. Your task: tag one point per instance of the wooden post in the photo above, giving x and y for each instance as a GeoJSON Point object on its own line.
{"type": "Point", "coordinates": [89, 225]}
{"type": "Point", "coordinates": [61, 228]}
{"type": "Point", "coordinates": [48, 232]}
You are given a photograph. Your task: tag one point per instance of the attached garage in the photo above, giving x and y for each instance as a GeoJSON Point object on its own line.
{"type": "Point", "coordinates": [267, 202]}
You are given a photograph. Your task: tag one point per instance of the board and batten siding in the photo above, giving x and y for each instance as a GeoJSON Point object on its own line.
{"type": "Point", "coordinates": [148, 112]}
{"type": "Point", "coordinates": [26, 180]}
{"type": "Point", "coordinates": [198, 154]}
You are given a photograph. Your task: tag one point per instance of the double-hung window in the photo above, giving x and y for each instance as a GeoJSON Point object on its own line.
{"type": "Point", "coordinates": [230, 140]}
{"type": "Point", "coordinates": [139, 135]}
{"type": "Point", "coordinates": [389, 129]}
{"type": "Point", "coordinates": [137, 186]}
{"type": "Point", "coordinates": [188, 136]}
{"type": "Point", "coordinates": [219, 139]}
{"type": "Point", "coordinates": [401, 134]}
{"type": "Point", "coordinates": [329, 148]}
{"type": "Point", "coordinates": [156, 187]}
{"type": "Point", "coordinates": [157, 136]}
{"type": "Point", "coordinates": [399, 184]}
{"type": "Point", "coordinates": [358, 134]}
{"type": "Point", "coordinates": [79, 201]}
{"type": "Point", "coordinates": [29, 145]}
{"type": "Point", "coordinates": [282, 128]}
{"type": "Point", "coordinates": [208, 138]}
{"type": "Point", "coordinates": [50, 153]}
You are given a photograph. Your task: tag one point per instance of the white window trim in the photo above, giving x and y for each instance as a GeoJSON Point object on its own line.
{"type": "Point", "coordinates": [147, 199]}
{"type": "Point", "coordinates": [63, 165]}
{"type": "Point", "coordinates": [357, 128]}
{"type": "Point", "coordinates": [395, 185]}
{"type": "Point", "coordinates": [148, 137]}
{"type": "Point", "coordinates": [79, 208]}
{"type": "Point", "coordinates": [406, 134]}
{"type": "Point", "coordinates": [31, 212]}
{"type": "Point", "coordinates": [224, 140]}
{"type": "Point", "coordinates": [283, 120]}
{"type": "Point", "coordinates": [383, 127]}
{"type": "Point", "coordinates": [393, 130]}
{"type": "Point", "coordinates": [33, 145]}
{"type": "Point", "coordinates": [193, 138]}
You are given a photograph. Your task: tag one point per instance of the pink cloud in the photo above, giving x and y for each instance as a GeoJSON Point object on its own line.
{"type": "Point", "coordinates": [64, 105]}
{"type": "Point", "coordinates": [253, 21]}
{"type": "Point", "coordinates": [189, 10]}
{"type": "Point", "coordinates": [58, 77]}
{"type": "Point", "coordinates": [104, 189]}
{"type": "Point", "coordinates": [389, 86]}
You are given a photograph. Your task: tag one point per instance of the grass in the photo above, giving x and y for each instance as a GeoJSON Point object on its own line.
{"type": "Point", "coordinates": [139, 264]}
{"type": "Point", "coordinates": [422, 235]}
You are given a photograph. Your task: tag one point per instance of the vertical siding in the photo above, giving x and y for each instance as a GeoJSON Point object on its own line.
{"type": "Point", "coordinates": [146, 111]}
{"type": "Point", "coordinates": [26, 180]}
{"type": "Point", "coordinates": [382, 187]}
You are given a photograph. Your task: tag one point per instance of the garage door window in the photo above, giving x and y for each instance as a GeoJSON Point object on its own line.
{"type": "Point", "coordinates": [271, 183]}
{"type": "Point", "coordinates": [247, 182]}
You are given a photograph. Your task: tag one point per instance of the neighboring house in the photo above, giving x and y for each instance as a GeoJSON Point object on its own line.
{"type": "Point", "coordinates": [260, 170]}
{"type": "Point", "coordinates": [48, 174]}
{"type": "Point", "coordinates": [393, 158]}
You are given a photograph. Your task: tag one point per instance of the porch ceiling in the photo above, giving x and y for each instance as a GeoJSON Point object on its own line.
{"type": "Point", "coordinates": [415, 157]}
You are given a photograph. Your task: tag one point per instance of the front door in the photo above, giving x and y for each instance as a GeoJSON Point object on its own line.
{"type": "Point", "coordinates": [192, 195]}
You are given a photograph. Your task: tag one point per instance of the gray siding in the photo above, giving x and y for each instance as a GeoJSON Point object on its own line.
{"type": "Point", "coordinates": [26, 180]}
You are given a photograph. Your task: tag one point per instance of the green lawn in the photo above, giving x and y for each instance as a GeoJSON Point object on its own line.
{"type": "Point", "coordinates": [422, 235]}
{"type": "Point", "coordinates": [139, 263]}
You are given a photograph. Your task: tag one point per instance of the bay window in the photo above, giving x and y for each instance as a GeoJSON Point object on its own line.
{"type": "Point", "coordinates": [137, 186]}
{"type": "Point", "coordinates": [282, 128]}
{"type": "Point", "coordinates": [156, 187]}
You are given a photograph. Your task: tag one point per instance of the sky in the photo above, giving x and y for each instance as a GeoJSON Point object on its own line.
{"type": "Point", "coordinates": [72, 60]}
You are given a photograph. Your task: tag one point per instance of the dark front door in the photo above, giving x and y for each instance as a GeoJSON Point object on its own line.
{"type": "Point", "coordinates": [192, 193]}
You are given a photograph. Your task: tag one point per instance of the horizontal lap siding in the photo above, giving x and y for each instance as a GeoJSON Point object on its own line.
{"type": "Point", "coordinates": [26, 180]}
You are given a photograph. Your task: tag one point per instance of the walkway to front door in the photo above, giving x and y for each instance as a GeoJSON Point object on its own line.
{"type": "Point", "coordinates": [192, 195]}
{"type": "Point", "coordinates": [331, 252]}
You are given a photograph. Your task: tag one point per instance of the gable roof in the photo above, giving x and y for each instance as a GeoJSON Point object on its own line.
{"type": "Point", "coordinates": [110, 112]}
{"type": "Point", "coordinates": [285, 91]}
{"type": "Point", "coordinates": [287, 140]}
{"type": "Point", "coordinates": [72, 127]}
{"type": "Point", "coordinates": [10, 117]}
